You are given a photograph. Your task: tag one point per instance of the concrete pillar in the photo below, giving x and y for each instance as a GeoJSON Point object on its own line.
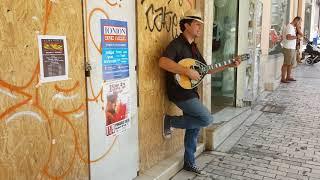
{"type": "Point", "coordinates": [266, 23]}
{"type": "Point", "coordinates": [242, 48]}
{"type": "Point", "coordinates": [301, 12]}
{"type": "Point", "coordinates": [293, 8]}
{"type": "Point", "coordinates": [207, 6]}
{"type": "Point", "coordinates": [270, 67]}
{"type": "Point", "coordinates": [313, 14]}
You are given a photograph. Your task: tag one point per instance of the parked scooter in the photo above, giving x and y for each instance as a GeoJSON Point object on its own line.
{"type": "Point", "coordinates": [311, 53]}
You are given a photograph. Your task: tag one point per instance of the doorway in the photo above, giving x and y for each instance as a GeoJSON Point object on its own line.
{"type": "Point", "coordinates": [224, 47]}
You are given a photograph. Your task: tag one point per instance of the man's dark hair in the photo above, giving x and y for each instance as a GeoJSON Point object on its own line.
{"type": "Point", "coordinates": [298, 18]}
{"type": "Point", "coordinates": [184, 21]}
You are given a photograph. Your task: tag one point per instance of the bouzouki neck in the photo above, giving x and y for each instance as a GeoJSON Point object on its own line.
{"type": "Point", "coordinates": [224, 63]}
{"type": "Point", "coordinates": [217, 65]}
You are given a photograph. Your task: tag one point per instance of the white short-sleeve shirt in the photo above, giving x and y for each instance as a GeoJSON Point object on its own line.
{"type": "Point", "coordinates": [289, 44]}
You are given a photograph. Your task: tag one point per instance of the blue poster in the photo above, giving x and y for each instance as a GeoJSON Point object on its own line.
{"type": "Point", "coordinates": [114, 41]}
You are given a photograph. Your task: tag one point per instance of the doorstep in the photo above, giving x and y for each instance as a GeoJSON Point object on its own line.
{"type": "Point", "coordinates": [167, 168]}
{"type": "Point", "coordinates": [226, 122]}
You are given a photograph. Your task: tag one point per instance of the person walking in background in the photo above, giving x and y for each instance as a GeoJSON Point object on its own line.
{"type": "Point", "coordinates": [289, 49]}
{"type": "Point", "coordinates": [315, 36]}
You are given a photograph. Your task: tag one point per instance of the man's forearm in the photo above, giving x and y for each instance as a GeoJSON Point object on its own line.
{"type": "Point", "coordinates": [290, 37]}
{"type": "Point", "coordinates": [300, 32]}
{"type": "Point", "coordinates": [171, 66]}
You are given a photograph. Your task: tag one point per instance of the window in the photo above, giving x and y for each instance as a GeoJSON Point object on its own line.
{"type": "Point", "coordinates": [280, 14]}
{"type": "Point", "coordinates": [224, 44]}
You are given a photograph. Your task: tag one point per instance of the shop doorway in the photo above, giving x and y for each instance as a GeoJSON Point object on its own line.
{"type": "Point", "coordinates": [224, 47]}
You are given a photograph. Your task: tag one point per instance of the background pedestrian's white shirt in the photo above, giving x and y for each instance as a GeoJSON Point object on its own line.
{"type": "Point", "coordinates": [289, 44]}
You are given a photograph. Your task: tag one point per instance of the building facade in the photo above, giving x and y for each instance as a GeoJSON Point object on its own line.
{"type": "Point", "coordinates": [105, 119]}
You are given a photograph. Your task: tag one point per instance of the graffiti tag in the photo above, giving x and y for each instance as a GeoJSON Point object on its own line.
{"type": "Point", "coordinates": [162, 19]}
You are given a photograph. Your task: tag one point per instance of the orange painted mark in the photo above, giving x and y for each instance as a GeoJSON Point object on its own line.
{"type": "Point", "coordinates": [89, 23]}
{"type": "Point", "coordinates": [111, 4]}
{"type": "Point", "coordinates": [101, 98]}
{"type": "Point", "coordinates": [46, 166]}
{"type": "Point", "coordinates": [11, 109]}
{"type": "Point", "coordinates": [36, 99]}
{"type": "Point", "coordinates": [35, 72]}
{"type": "Point", "coordinates": [48, 7]}
{"type": "Point", "coordinates": [17, 90]}
{"type": "Point", "coordinates": [81, 107]}
{"type": "Point", "coordinates": [77, 141]}
{"type": "Point", "coordinates": [65, 173]}
{"type": "Point", "coordinates": [66, 90]}
{"type": "Point", "coordinates": [86, 160]}
{"type": "Point", "coordinates": [95, 98]}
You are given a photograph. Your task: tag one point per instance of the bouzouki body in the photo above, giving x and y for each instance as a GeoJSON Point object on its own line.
{"type": "Point", "coordinates": [184, 81]}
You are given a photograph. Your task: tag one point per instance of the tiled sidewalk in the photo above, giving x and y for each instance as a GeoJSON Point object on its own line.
{"type": "Point", "coordinates": [281, 145]}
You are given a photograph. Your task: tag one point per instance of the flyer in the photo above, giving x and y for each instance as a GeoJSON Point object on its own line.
{"type": "Point", "coordinates": [116, 99]}
{"type": "Point", "coordinates": [53, 57]}
{"type": "Point", "coordinates": [114, 42]}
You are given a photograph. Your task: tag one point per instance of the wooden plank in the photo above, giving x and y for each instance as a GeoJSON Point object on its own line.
{"type": "Point", "coordinates": [43, 127]}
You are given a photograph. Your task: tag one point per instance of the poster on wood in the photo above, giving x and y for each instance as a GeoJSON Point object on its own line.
{"type": "Point", "coordinates": [116, 98]}
{"type": "Point", "coordinates": [114, 39]}
{"type": "Point", "coordinates": [53, 57]}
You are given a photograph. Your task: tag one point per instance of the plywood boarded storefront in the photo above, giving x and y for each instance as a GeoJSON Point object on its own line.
{"type": "Point", "coordinates": [43, 127]}
{"type": "Point", "coordinates": [157, 25]}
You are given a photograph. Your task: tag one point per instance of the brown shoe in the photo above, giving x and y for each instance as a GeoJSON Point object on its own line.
{"type": "Point", "coordinates": [284, 81]}
{"type": "Point", "coordinates": [291, 79]}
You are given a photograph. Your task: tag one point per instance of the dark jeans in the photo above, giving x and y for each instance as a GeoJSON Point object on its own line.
{"type": "Point", "coordinates": [315, 41]}
{"type": "Point", "coordinates": [195, 116]}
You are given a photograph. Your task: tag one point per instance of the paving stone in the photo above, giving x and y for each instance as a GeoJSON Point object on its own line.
{"type": "Point", "coordinates": [280, 144]}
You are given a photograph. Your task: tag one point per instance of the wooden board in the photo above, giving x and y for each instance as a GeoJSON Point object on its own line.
{"type": "Point", "coordinates": [43, 127]}
{"type": "Point", "coordinates": [154, 34]}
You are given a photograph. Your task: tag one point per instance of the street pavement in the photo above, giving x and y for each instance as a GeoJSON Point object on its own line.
{"type": "Point", "coordinates": [281, 143]}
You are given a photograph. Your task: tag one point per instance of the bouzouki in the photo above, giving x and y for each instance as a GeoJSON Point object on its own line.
{"type": "Point", "coordinates": [202, 69]}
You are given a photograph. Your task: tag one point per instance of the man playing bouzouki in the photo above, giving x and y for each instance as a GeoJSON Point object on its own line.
{"type": "Point", "coordinates": [195, 114]}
